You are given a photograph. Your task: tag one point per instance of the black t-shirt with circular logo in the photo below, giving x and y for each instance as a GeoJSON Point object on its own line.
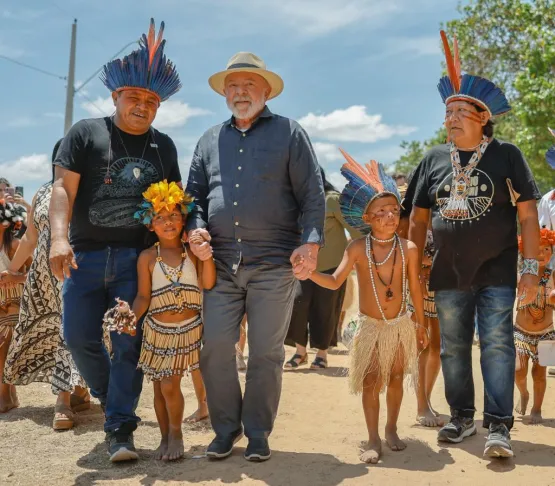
{"type": "Point", "coordinates": [103, 213]}
{"type": "Point", "coordinates": [474, 221]}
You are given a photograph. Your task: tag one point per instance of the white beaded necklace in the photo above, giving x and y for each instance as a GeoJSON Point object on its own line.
{"type": "Point", "coordinates": [379, 264]}
{"type": "Point", "coordinates": [404, 285]}
{"type": "Point", "coordinates": [389, 240]}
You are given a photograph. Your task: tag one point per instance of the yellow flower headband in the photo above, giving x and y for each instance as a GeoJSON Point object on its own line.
{"type": "Point", "coordinates": [160, 196]}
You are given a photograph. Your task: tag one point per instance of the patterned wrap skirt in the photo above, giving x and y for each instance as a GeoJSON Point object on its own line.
{"type": "Point", "coordinates": [170, 348]}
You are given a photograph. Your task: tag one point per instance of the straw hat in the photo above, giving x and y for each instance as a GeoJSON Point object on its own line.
{"type": "Point", "coordinates": [247, 62]}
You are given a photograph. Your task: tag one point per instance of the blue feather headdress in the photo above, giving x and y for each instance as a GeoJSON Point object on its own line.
{"type": "Point", "coordinates": [466, 87]}
{"type": "Point", "coordinates": [365, 183]}
{"type": "Point", "coordinates": [550, 154]}
{"type": "Point", "coordinates": [146, 68]}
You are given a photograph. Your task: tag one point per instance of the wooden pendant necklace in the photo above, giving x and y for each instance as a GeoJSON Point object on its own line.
{"type": "Point", "coordinates": [388, 292]}
{"type": "Point", "coordinates": [174, 283]}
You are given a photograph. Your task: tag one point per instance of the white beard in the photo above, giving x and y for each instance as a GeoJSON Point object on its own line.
{"type": "Point", "coordinates": [254, 109]}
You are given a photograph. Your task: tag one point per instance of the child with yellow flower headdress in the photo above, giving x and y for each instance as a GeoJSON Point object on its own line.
{"type": "Point", "coordinates": [171, 280]}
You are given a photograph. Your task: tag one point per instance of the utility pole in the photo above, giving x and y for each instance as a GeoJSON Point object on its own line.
{"type": "Point", "coordinates": [71, 80]}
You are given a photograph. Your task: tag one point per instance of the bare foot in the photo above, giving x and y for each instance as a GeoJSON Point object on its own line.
{"type": "Point", "coordinates": [159, 453]}
{"type": "Point", "coordinates": [429, 419]}
{"type": "Point", "coordinates": [432, 409]}
{"type": "Point", "coordinates": [522, 404]}
{"type": "Point", "coordinates": [536, 417]}
{"type": "Point", "coordinates": [175, 449]}
{"type": "Point", "coordinates": [8, 402]}
{"type": "Point", "coordinates": [200, 415]}
{"type": "Point", "coordinates": [393, 440]}
{"type": "Point", "coordinates": [371, 452]}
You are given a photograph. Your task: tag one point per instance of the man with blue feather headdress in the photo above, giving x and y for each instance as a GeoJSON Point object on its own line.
{"type": "Point", "coordinates": [476, 188]}
{"type": "Point", "coordinates": [102, 168]}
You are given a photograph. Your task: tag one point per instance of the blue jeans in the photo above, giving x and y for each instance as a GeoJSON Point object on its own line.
{"type": "Point", "coordinates": [493, 309]}
{"type": "Point", "coordinates": [89, 292]}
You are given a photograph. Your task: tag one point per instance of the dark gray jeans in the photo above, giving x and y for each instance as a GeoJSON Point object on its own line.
{"type": "Point", "coordinates": [265, 293]}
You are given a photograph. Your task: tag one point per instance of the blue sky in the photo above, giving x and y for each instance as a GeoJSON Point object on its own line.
{"type": "Point", "coordinates": [360, 74]}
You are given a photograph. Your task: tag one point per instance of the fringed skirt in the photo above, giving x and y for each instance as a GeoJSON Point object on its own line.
{"type": "Point", "coordinates": [429, 303]}
{"type": "Point", "coordinates": [170, 348]}
{"type": "Point", "coordinates": [7, 324]}
{"type": "Point", "coordinates": [375, 347]}
{"type": "Point", "coordinates": [526, 343]}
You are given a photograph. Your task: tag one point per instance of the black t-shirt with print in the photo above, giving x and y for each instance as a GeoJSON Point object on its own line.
{"type": "Point", "coordinates": [480, 247]}
{"type": "Point", "coordinates": [103, 213]}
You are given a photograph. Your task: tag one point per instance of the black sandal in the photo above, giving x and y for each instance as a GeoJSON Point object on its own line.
{"type": "Point", "coordinates": [296, 361]}
{"type": "Point", "coordinates": [319, 363]}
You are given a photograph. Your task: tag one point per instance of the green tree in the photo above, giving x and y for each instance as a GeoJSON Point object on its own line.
{"type": "Point", "coordinates": [511, 42]}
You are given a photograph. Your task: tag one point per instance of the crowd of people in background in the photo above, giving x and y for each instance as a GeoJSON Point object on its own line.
{"type": "Point", "coordinates": [259, 246]}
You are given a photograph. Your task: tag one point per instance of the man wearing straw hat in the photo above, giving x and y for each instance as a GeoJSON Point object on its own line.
{"type": "Point", "coordinates": [260, 207]}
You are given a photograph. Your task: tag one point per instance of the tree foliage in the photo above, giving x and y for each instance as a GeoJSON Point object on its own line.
{"type": "Point", "coordinates": [511, 42]}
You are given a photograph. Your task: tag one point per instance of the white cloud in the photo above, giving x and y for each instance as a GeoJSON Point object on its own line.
{"type": "Point", "coordinates": [319, 17]}
{"type": "Point", "coordinates": [326, 152]}
{"type": "Point", "coordinates": [171, 114]}
{"type": "Point", "coordinates": [28, 168]}
{"type": "Point", "coordinates": [352, 124]}
{"type": "Point", "coordinates": [337, 180]}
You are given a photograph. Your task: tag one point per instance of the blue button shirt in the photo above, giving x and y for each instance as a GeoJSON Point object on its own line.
{"type": "Point", "coordinates": [259, 192]}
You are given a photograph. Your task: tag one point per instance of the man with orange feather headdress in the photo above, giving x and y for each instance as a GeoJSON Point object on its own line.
{"type": "Point", "coordinates": [102, 168]}
{"type": "Point", "coordinates": [475, 188]}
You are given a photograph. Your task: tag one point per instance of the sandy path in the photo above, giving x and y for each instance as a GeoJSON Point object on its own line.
{"type": "Point", "coordinates": [315, 442]}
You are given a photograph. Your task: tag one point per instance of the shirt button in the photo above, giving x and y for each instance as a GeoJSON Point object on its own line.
{"type": "Point", "coordinates": [244, 134]}
{"type": "Point", "coordinates": [239, 168]}
{"type": "Point", "coordinates": [239, 240]}
{"type": "Point", "coordinates": [236, 223]}
{"type": "Point", "coordinates": [235, 203]}
{"type": "Point", "coordinates": [241, 150]}
{"type": "Point", "coordinates": [236, 185]}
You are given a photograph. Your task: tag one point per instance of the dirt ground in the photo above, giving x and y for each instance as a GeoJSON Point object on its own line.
{"type": "Point", "coordinates": [315, 442]}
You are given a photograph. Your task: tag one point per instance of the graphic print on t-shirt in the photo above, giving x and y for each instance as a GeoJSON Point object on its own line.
{"type": "Point", "coordinates": [114, 205]}
{"type": "Point", "coordinates": [466, 197]}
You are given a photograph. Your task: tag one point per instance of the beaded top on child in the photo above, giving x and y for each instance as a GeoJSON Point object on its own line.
{"type": "Point", "coordinates": [173, 289]}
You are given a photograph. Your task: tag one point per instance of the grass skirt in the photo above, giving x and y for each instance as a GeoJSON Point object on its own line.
{"type": "Point", "coordinates": [375, 347]}
{"type": "Point", "coordinates": [170, 348]}
{"type": "Point", "coordinates": [526, 343]}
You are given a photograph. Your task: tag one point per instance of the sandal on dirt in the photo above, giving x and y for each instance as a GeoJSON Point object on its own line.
{"type": "Point", "coordinates": [319, 363]}
{"type": "Point", "coordinates": [296, 361]}
{"type": "Point", "coordinates": [80, 403]}
{"type": "Point", "coordinates": [63, 418]}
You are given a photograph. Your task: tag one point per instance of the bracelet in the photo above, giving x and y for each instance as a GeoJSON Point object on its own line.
{"type": "Point", "coordinates": [15, 274]}
{"type": "Point", "coordinates": [530, 266]}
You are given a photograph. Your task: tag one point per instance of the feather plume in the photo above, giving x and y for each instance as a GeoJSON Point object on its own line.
{"type": "Point", "coordinates": [451, 64]}
{"type": "Point", "coordinates": [145, 68]}
{"type": "Point", "coordinates": [364, 183]}
{"type": "Point", "coordinates": [457, 59]}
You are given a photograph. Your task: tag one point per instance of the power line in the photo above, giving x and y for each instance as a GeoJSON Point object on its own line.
{"type": "Point", "coordinates": [63, 78]}
{"type": "Point", "coordinates": [100, 110]}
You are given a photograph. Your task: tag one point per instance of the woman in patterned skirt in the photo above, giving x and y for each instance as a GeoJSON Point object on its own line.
{"type": "Point", "coordinates": [37, 351]}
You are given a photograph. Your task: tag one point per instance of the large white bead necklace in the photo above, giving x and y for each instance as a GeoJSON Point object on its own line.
{"type": "Point", "coordinates": [404, 282]}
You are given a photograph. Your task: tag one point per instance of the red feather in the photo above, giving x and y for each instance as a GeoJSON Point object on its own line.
{"type": "Point", "coordinates": [451, 65]}
{"type": "Point", "coordinates": [371, 175]}
{"type": "Point", "coordinates": [154, 43]}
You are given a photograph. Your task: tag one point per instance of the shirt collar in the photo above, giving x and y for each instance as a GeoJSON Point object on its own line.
{"type": "Point", "coordinates": [266, 113]}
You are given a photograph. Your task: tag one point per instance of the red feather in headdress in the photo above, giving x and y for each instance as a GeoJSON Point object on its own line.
{"type": "Point", "coordinates": [453, 63]}
{"type": "Point", "coordinates": [371, 175]}
{"type": "Point", "coordinates": [152, 42]}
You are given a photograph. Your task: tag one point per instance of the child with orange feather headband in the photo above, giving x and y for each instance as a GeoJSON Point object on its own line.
{"type": "Point", "coordinates": [534, 323]}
